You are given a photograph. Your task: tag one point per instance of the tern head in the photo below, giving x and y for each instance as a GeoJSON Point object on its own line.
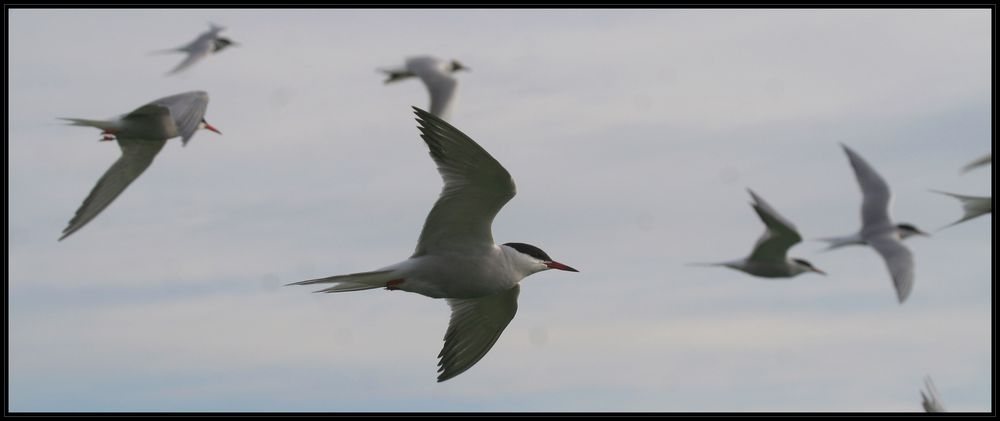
{"type": "Point", "coordinates": [908, 230]}
{"type": "Point", "coordinates": [802, 265]}
{"type": "Point", "coordinates": [536, 259]}
{"type": "Point", "coordinates": [456, 66]}
{"type": "Point", "coordinates": [204, 125]}
{"type": "Point", "coordinates": [222, 42]}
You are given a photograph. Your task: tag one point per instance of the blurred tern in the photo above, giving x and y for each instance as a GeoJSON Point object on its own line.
{"type": "Point", "coordinates": [207, 43]}
{"type": "Point", "coordinates": [456, 257]}
{"type": "Point", "coordinates": [983, 160]}
{"type": "Point", "coordinates": [930, 400]}
{"type": "Point", "coordinates": [877, 228]}
{"type": "Point", "coordinates": [974, 206]}
{"type": "Point", "coordinates": [140, 135]}
{"type": "Point", "coordinates": [436, 75]}
{"type": "Point", "coordinates": [769, 258]}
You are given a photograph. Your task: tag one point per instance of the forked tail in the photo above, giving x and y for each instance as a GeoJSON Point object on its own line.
{"type": "Point", "coordinates": [100, 124]}
{"type": "Point", "coordinates": [353, 282]}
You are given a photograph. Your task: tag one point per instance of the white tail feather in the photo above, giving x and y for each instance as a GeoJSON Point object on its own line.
{"type": "Point", "coordinates": [352, 282]}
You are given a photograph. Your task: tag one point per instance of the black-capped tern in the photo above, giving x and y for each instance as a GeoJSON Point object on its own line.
{"type": "Point", "coordinates": [140, 135]}
{"type": "Point", "coordinates": [206, 44]}
{"type": "Point", "coordinates": [769, 258]}
{"type": "Point", "coordinates": [456, 258]}
{"type": "Point", "coordinates": [877, 228]}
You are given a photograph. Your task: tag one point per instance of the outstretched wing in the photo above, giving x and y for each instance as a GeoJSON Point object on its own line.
{"type": "Point", "coordinates": [476, 324]}
{"type": "Point", "coordinates": [779, 236]}
{"type": "Point", "coordinates": [476, 187]}
{"type": "Point", "coordinates": [137, 155]}
{"type": "Point", "coordinates": [898, 259]}
{"type": "Point", "coordinates": [875, 205]}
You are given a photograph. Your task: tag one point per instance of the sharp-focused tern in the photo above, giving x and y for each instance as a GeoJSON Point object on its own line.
{"type": "Point", "coordinates": [930, 400]}
{"type": "Point", "coordinates": [769, 258]}
{"type": "Point", "coordinates": [983, 160]}
{"type": "Point", "coordinates": [456, 257]}
{"type": "Point", "coordinates": [974, 206]}
{"type": "Point", "coordinates": [436, 75]}
{"type": "Point", "coordinates": [140, 135]}
{"type": "Point", "coordinates": [206, 44]}
{"type": "Point", "coordinates": [877, 228]}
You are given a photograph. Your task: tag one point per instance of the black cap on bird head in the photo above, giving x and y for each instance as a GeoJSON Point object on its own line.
{"type": "Point", "coordinates": [537, 253]}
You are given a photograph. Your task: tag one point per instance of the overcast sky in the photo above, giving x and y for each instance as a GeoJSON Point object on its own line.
{"type": "Point", "coordinates": [632, 136]}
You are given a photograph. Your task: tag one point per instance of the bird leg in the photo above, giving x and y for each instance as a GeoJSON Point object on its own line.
{"type": "Point", "coordinates": [392, 285]}
{"type": "Point", "coordinates": [107, 136]}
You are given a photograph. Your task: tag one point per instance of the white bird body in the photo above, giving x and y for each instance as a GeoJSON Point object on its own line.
{"type": "Point", "coordinates": [456, 257]}
{"type": "Point", "coordinates": [437, 77]}
{"type": "Point", "coordinates": [877, 228]}
{"type": "Point", "coordinates": [141, 134]}
{"type": "Point", "coordinates": [206, 44]}
{"type": "Point", "coordinates": [769, 258]}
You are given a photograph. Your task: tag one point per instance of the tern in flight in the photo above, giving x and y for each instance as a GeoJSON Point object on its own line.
{"type": "Point", "coordinates": [769, 258]}
{"type": "Point", "coordinates": [877, 228]}
{"type": "Point", "coordinates": [436, 75]}
{"type": "Point", "coordinates": [140, 135]}
{"type": "Point", "coordinates": [456, 258]}
{"type": "Point", "coordinates": [206, 44]}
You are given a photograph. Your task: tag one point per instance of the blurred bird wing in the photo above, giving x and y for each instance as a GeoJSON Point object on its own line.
{"type": "Point", "coordinates": [779, 236]}
{"type": "Point", "coordinates": [186, 109]}
{"type": "Point", "coordinates": [136, 156]}
{"type": "Point", "coordinates": [898, 259]}
{"type": "Point", "coordinates": [877, 197]}
{"type": "Point", "coordinates": [440, 84]}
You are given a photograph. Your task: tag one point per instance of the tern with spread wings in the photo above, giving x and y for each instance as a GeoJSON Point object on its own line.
{"type": "Point", "coordinates": [769, 258]}
{"type": "Point", "coordinates": [141, 135]}
{"type": "Point", "coordinates": [456, 257]}
{"type": "Point", "coordinates": [437, 77]}
{"type": "Point", "coordinates": [877, 228]}
{"type": "Point", "coordinates": [206, 44]}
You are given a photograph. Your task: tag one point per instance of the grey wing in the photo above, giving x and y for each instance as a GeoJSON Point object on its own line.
{"type": "Point", "coordinates": [476, 324]}
{"type": "Point", "coordinates": [186, 109]}
{"type": "Point", "coordinates": [930, 400]}
{"type": "Point", "coordinates": [137, 155]}
{"type": "Point", "coordinates": [440, 85]}
{"type": "Point", "coordinates": [476, 187]}
{"type": "Point", "coordinates": [779, 236]}
{"type": "Point", "coordinates": [898, 259]}
{"type": "Point", "coordinates": [875, 205]}
{"type": "Point", "coordinates": [197, 50]}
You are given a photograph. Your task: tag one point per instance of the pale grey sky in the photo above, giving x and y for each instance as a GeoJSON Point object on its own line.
{"type": "Point", "coordinates": [632, 136]}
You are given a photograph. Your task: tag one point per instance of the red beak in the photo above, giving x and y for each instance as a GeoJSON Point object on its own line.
{"type": "Point", "coordinates": [209, 127]}
{"type": "Point", "coordinates": [560, 266]}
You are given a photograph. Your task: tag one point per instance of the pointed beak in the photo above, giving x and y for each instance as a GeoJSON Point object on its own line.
{"type": "Point", "coordinates": [212, 128]}
{"type": "Point", "coordinates": [925, 234]}
{"type": "Point", "coordinates": [819, 271]}
{"type": "Point", "coordinates": [560, 266]}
